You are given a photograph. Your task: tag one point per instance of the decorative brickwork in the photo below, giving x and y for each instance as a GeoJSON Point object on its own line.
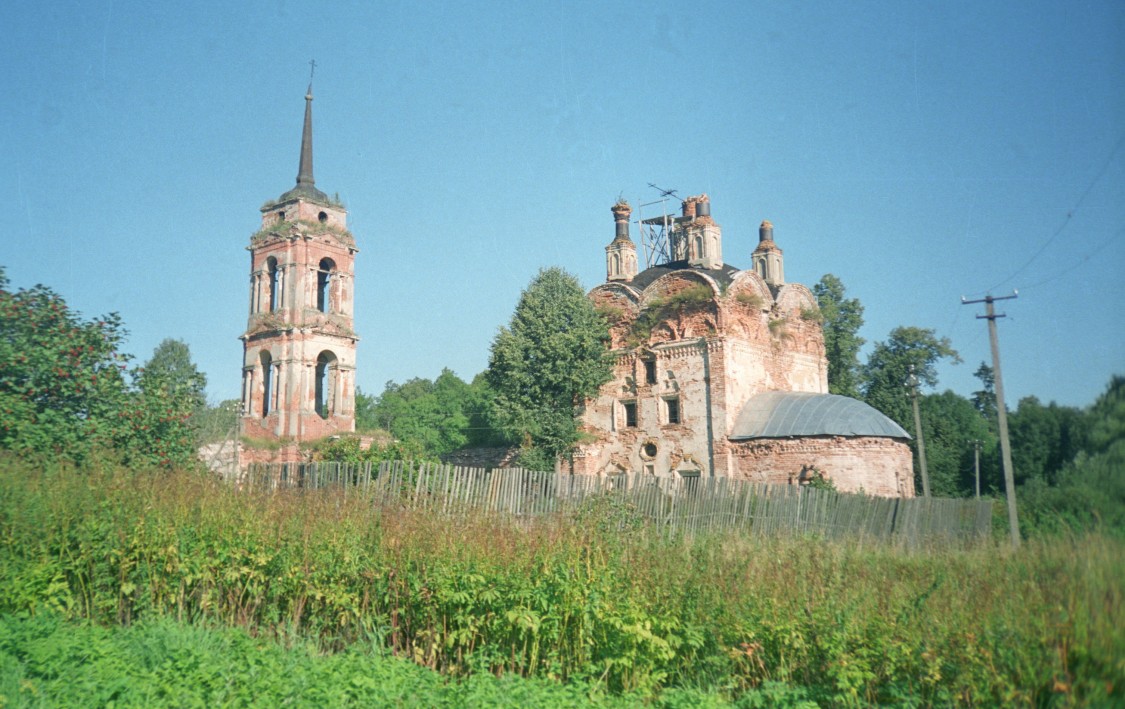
{"type": "Point", "coordinates": [694, 341]}
{"type": "Point", "coordinates": [298, 375]}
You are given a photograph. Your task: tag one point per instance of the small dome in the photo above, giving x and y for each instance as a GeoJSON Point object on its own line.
{"type": "Point", "coordinates": [781, 414]}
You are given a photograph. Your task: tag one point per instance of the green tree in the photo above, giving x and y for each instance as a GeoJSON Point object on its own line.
{"type": "Point", "coordinates": [950, 423]}
{"type": "Point", "coordinates": [171, 369]}
{"type": "Point", "coordinates": [365, 411]}
{"type": "Point", "coordinates": [62, 384]}
{"type": "Point", "coordinates": [435, 415]}
{"type": "Point", "coordinates": [984, 400]}
{"type": "Point", "coordinates": [544, 366]}
{"type": "Point", "coordinates": [1089, 491]}
{"type": "Point", "coordinates": [888, 369]}
{"type": "Point", "coordinates": [843, 317]}
{"type": "Point", "coordinates": [1044, 439]}
{"type": "Point", "coordinates": [216, 423]}
{"type": "Point", "coordinates": [63, 389]}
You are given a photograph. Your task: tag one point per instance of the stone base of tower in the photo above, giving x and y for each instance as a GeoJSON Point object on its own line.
{"type": "Point", "coordinates": [305, 426]}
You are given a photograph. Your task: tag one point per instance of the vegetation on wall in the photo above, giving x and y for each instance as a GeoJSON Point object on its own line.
{"type": "Point", "coordinates": [693, 299]}
{"type": "Point", "coordinates": [281, 229]}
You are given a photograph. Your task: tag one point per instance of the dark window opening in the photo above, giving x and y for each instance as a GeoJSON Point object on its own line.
{"type": "Point", "coordinates": [324, 284]}
{"type": "Point", "coordinates": [649, 449]}
{"type": "Point", "coordinates": [267, 383]}
{"type": "Point", "coordinates": [322, 217]}
{"type": "Point", "coordinates": [325, 375]}
{"type": "Point", "coordinates": [673, 406]}
{"type": "Point", "coordinates": [650, 371]}
{"type": "Point", "coordinates": [271, 266]}
{"type": "Point", "coordinates": [630, 413]}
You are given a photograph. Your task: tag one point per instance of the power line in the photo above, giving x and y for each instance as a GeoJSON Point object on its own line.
{"type": "Point", "coordinates": [1069, 215]}
{"type": "Point", "coordinates": [1081, 262]}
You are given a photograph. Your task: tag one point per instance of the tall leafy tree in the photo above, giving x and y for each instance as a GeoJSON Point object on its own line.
{"type": "Point", "coordinates": [1089, 491]}
{"type": "Point", "coordinates": [545, 364]}
{"type": "Point", "coordinates": [888, 369]}
{"type": "Point", "coordinates": [984, 399]}
{"type": "Point", "coordinates": [172, 369]}
{"type": "Point", "coordinates": [64, 389]}
{"type": "Point", "coordinates": [434, 415]}
{"type": "Point", "coordinates": [843, 317]}
{"type": "Point", "coordinates": [62, 382]}
{"type": "Point", "coordinates": [950, 424]}
{"type": "Point", "coordinates": [1044, 439]}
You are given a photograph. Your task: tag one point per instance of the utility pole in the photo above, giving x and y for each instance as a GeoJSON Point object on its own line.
{"type": "Point", "coordinates": [912, 382]}
{"type": "Point", "coordinates": [976, 464]}
{"type": "Point", "coordinates": [1001, 410]}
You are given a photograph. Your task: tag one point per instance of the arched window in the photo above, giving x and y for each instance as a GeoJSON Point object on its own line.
{"type": "Point", "coordinates": [614, 264]}
{"type": "Point", "coordinates": [326, 370]}
{"type": "Point", "coordinates": [698, 243]}
{"type": "Point", "coordinates": [324, 278]}
{"type": "Point", "coordinates": [271, 269]}
{"type": "Point", "coordinates": [267, 383]}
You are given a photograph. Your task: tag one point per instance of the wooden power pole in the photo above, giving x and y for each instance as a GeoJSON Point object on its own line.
{"type": "Point", "coordinates": [1001, 410]}
{"type": "Point", "coordinates": [976, 465]}
{"type": "Point", "coordinates": [913, 383]}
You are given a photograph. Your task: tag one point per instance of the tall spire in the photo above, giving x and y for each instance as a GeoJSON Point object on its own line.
{"type": "Point", "coordinates": [305, 170]}
{"type": "Point", "coordinates": [306, 185]}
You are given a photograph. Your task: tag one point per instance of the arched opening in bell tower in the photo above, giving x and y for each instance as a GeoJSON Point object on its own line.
{"type": "Point", "coordinates": [325, 275]}
{"type": "Point", "coordinates": [326, 370]}
{"type": "Point", "coordinates": [267, 383]}
{"type": "Point", "coordinates": [271, 269]}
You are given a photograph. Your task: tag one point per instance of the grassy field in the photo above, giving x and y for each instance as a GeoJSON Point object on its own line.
{"type": "Point", "coordinates": [591, 606]}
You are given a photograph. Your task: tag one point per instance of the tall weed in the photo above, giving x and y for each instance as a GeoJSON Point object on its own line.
{"type": "Point", "coordinates": [594, 597]}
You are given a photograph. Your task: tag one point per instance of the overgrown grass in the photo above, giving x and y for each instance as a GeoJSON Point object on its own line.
{"type": "Point", "coordinates": [590, 599]}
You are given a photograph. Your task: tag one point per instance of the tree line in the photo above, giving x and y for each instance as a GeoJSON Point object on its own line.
{"type": "Point", "coordinates": [67, 390]}
{"type": "Point", "coordinates": [1067, 461]}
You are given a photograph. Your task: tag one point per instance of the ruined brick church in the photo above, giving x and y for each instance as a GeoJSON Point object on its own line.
{"type": "Point", "coordinates": [722, 372]}
{"type": "Point", "coordinates": [718, 371]}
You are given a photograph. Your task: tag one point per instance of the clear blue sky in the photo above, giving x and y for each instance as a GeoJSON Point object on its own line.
{"type": "Point", "coordinates": [919, 151]}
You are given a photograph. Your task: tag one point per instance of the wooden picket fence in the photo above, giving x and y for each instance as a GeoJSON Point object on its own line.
{"type": "Point", "coordinates": [673, 503]}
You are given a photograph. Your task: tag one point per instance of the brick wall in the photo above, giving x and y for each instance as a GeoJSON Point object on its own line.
{"type": "Point", "coordinates": [876, 466]}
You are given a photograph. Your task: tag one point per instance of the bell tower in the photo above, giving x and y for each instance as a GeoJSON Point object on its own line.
{"type": "Point", "coordinates": [298, 369]}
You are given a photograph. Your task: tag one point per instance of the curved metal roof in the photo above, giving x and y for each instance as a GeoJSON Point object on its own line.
{"type": "Point", "coordinates": [782, 414]}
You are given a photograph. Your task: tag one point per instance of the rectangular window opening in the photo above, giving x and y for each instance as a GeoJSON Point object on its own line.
{"type": "Point", "coordinates": [672, 406]}
{"type": "Point", "coordinates": [630, 413]}
{"type": "Point", "coordinates": [650, 371]}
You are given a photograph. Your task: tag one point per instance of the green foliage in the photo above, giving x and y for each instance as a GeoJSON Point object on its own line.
{"type": "Point", "coordinates": [280, 229]}
{"type": "Point", "coordinates": [46, 661]}
{"type": "Point", "coordinates": [63, 389]}
{"type": "Point", "coordinates": [1087, 492]}
{"type": "Point", "coordinates": [750, 300]}
{"type": "Point", "coordinates": [216, 423]}
{"type": "Point", "coordinates": [62, 379]}
{"type": "Point", "coordinates": [170, 368]}
{"type": "Point", "coordinates": [439, 416]}
{"type": "Point", "coordinates": [689, 300]}
{"type": "Point", "coordinates": [349, 449]}
{"type": "Point", "coordinates": [571, 599]}
{"type": "Point", "coordinates": [984, 400]}
{"type": "Point", "coordinates": [842, 318]}
{"type": "Point", "coordinates": [1044, 439]}
{"type": "Point", "coordinates": [888, 368]}
{"type": "Point", "coordinates": [950, 423]}
{"type": "Point", "coordinates": [545, 364]}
